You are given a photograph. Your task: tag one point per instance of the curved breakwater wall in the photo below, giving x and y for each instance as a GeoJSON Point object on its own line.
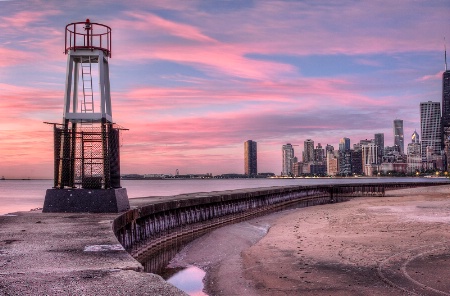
{"type": "Point", "coordinates": [154, 233]}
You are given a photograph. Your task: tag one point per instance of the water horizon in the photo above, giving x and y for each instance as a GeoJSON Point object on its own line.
{"type": "Point", "coordinates": [28, 194]}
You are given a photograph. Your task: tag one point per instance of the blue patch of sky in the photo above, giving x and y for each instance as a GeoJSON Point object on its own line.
{"type": "Point", "coordinates": [225, 6]}
{"type": "Point", "coordinates": [343, 65]}
{"type": "Point", "coordinates": [24, 75]}
{"type": "Point", "coordinates": [96, 11]}
{"type": "Point", "coordinates": [203, 110]}
{"type": "Point", "coordinates": [165, 13]}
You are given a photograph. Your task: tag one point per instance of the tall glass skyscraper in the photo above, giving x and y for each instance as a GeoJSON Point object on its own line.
{"type": "Point", "coordinates": [344, 144]}
{"type": "Point", "coordinates": [445, 136]}
{"type": "Point", "coordinates": [379, 141]}
{"type": "Point", "coordinates": [398, 135]}
{"type": "Point", "coordinates": [430, 127]}
{"type": "Point", "coordinates": [250, 158]}
{"type": "Point", "coordinates": [308, 151]}
{"type": "Point", "coordinates": [288, 156]}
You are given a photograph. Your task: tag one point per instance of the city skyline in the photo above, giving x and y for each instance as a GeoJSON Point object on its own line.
{"type": "Point", "coordinates": [193, 80]}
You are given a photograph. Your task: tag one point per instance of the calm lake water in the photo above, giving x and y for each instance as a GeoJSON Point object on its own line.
{"type": "Point", "coordinates": [24, 195]}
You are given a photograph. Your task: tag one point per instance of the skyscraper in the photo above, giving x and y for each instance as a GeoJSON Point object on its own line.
{"type": "Point", "coordinates": [288, 156]}
{"type": "Point", "coordinates": [430, 127]}
{"type": "Point", "coordinates": [329, 148]}
{"type": "Point", "coordinates": [332, 164]}
{"type": "Point", "coordinates": [415, 138]}
{"type": "Point", "coordinates": [308, 151]}
{"type": "Point", "coordinates": [357, 162]}
{"type": "Point", "coordinates": [369, 157]}
{"type": "Point", "coordinates": [445, 101]}
{"type": "Point", "coordinates": [345, 162]}
{"type": "Point", "coordinates": [344, 144]}
{"type": "Point", "coordinates": [445, 127]}
{"type": "Point", "coordinates": [414, 146]}
{"type": "Point", "coordinates": [319, 154]}
{"type": "Point", "coordinates": [398, 135]}
{"type": "Point", "coordinates": [414, 158]}
{"type": "Point", "coordinates": [379, 141]}
{"type": "Point", "coordinates": [250, 158]}
{"type": "Point", "coordinates": [369, 154]}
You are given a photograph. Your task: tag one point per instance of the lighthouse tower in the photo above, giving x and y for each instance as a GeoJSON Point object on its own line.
{"type": "Point", "coordinates": [86, 143]}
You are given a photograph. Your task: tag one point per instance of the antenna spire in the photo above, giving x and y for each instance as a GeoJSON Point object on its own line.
{"type": "Point", "coordinates": [445, 55]}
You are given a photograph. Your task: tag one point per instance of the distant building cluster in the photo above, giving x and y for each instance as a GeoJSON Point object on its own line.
{"type": "Point", "coordinates": [371, 157]}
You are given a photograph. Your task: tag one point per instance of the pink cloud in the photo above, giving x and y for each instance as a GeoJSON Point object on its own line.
{"type": "Point", "coordinates": [10, 57]}
{"type": "Point", "coordinates": [437, 76]}
{"type": "Point", "coordinates": [205, 53]}
{"type": "Point", "coordinates": [28, 39]}
{"type": "Point", "coordinates": [303, 91]}
{"type": "Point", "coordinates": [225, 59]}
{"type": "Point", "coordinates": [25, 19]}
{"type": "Point", "coordinates": [166, 27]}
{"type": "Point", "coordinates": [20, 101]}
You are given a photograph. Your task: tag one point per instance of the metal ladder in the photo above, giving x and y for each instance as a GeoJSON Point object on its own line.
{"type": "Point", "coordinates": [87, 104]}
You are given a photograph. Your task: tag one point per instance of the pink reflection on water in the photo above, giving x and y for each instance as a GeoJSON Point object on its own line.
{"type": "Point", "coordinates": [190, 280]}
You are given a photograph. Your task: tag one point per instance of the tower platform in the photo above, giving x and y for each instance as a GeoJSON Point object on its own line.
{"type": "Point", "coordinates": [76, 200]}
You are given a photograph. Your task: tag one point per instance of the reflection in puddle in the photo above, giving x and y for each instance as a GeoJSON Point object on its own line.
{"type": "Point", "coordinates": [190, 280]}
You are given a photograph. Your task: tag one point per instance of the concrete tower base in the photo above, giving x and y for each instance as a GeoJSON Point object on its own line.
{"type": "Point", "coordinates": [86, 201]}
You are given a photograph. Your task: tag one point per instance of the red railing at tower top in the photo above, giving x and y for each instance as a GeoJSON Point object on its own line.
{"type": "Point", "coordinates": [87, 35]}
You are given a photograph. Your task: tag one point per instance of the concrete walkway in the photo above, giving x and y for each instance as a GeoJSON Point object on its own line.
{"type": "Point", "coordinates": [70, 254]}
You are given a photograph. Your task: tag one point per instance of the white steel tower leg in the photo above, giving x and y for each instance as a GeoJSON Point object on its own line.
{"type": "Point", "coordinates": [101, 72]}
{"type": "Point", "coordinates": [68, 86]}
{"type": "Point", "coordinates": [75, 87]}
{"type": "Point", "coordinates": [107, 88]}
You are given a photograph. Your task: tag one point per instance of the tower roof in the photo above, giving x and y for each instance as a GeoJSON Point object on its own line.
{"type": "Point", "coordinates": [415, 137]}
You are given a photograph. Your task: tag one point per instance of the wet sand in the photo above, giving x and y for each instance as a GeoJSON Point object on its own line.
{"type": "Point", "coordinates": [398, 244]}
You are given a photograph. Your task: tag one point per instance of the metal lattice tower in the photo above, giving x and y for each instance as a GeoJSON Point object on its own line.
{"type": "Point", "coordinates": [87, 143]}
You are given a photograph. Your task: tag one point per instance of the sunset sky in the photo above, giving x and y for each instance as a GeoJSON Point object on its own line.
{"type": "Point", "coordinates": [193, 80]}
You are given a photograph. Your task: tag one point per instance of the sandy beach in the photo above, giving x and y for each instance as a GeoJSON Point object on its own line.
{"type": "Point", "coordinates": [398, 244]}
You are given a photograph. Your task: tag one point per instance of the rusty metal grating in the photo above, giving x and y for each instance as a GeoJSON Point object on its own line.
{"type": "Point", "coordinates": [87, 157]}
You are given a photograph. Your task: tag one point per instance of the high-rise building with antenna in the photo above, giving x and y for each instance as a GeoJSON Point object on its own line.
{"type": "Point", "coordinates": [445, 99]}
{"type": "Point", "coordinates": [445, 109]}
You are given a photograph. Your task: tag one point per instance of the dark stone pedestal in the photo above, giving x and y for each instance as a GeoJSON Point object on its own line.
{"type": "Point", "coordinates": [86, 200]}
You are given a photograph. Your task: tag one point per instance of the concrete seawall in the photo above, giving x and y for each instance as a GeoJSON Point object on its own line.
{"type": "Point", "coordinates": [155, 232]}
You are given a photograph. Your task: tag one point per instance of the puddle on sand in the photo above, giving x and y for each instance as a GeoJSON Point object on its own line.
{"type": "Point", "coordinates": [189, 279]}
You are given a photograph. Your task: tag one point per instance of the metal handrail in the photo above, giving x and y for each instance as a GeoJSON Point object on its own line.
{"type": "Point", "coordinates": [83, 33]}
